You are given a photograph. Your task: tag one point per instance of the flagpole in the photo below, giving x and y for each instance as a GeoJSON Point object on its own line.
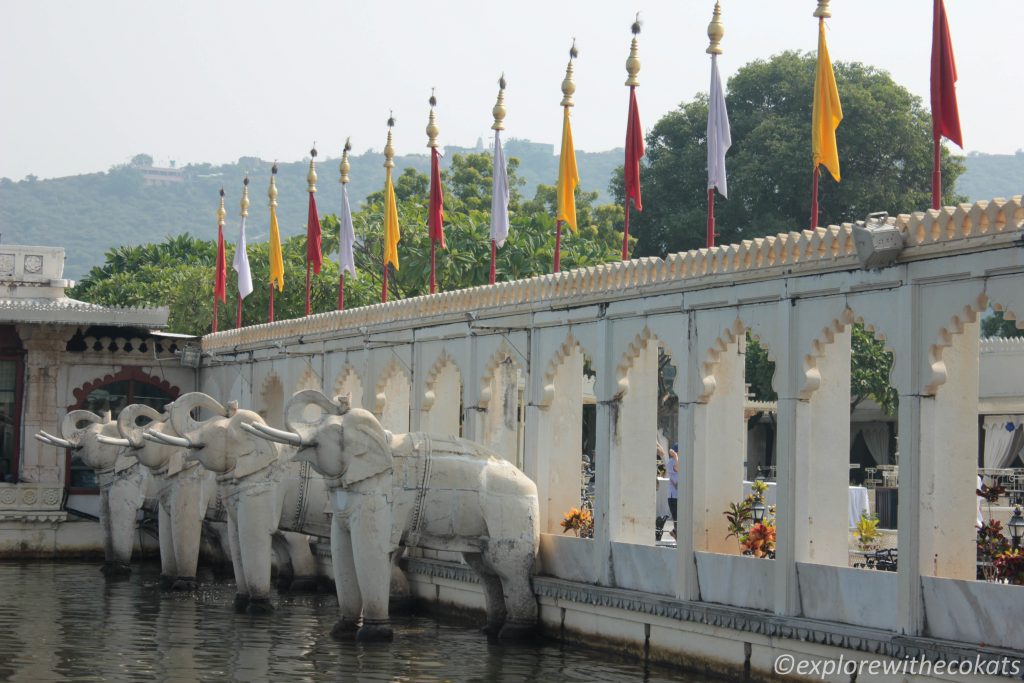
{"type": "Point", "coordinates": [217, 281]}
{"type": "Point", "coordinates": [343, 169]}
{"type": "Point", "coordinates": [711, 218]}
{"type": "Point", "coordinates": [568, 89]}
{"type": "Point", "coordinates": [945, 111]}
{"type": "Point", "coordinates": [499, 210]}
{"type": "Point", "coordinates": [311, 182]}
{"type": "Point", "coordinates": [434, 214]}
{"type": "Point", "coordinates": [632, 153]}
{"type": "Point", "coordinates": [937, 174]}
{"type": "Point", "coordinates": [716, 31]}
{"type": "Point", "coordinates": [389, 163]}
{"type": "Point", "coordinates": [243, 206]}
{"type": "Point", "coordinates": [821, 12]}
{"type": "Point", "coordinates": [275, 240]}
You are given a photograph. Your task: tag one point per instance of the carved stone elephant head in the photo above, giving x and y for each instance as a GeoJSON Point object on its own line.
{"type": "Point", "coordinates": [95, 439]}
{"type": "Point", "coordinates": [421, 490]}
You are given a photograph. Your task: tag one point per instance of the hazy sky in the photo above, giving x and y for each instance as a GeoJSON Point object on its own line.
{"type": "Point", "coordinates": [87, 84]}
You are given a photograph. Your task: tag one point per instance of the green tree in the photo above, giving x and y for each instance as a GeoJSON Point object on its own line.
{"type": "Point", "coordinates": [997, 325]}
{"type": "Point", "coordinates": [884, 153]}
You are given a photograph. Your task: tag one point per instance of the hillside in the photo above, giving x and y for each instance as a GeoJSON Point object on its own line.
{"type": "Point", "coordinates": [89, 214]}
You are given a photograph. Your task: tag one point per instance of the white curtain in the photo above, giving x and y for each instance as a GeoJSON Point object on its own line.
{"type": "Point", "coordinates": [999, 439]}
{"type": "Point", "coordinates": [876, 438]}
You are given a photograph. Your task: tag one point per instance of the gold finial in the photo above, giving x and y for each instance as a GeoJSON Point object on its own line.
{"type": "Point", "coordinates": [499, 106]}
{"type": "Point", "coordinates": [344, 166]}
{"type": "Point", "coordinates": [272, 190]}
{"type": "Point", "coordinates": [432, 129]}
{"type": "Point", "coordinates": [311, 174]}
{"type": "Point", "coordinates": [716, 29]}
{"type": "Point", "coordinates": [389, 148]}
{"type": "Point", "coordinates": [244, 204]}
{"type": "Point", "coordinates": [823, 12]}
{"type": "Point", "coordinates": [568, 86]}
{"type": "Point", "coordinates": [633, 61]}
{"type": "Point", "coordinates": [221, 212]}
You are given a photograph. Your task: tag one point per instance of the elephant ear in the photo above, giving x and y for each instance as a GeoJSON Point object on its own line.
{"type": "Point", "coordinates": [365, 448]}
{"type": "Point", "coordinates": [295, 418]}
{"type": "Point", "coordinates": [128, 422]}
{"type": "Point", "coordinates": [181, 412]}
{"type": "Point", "coordinates": [69, 428]}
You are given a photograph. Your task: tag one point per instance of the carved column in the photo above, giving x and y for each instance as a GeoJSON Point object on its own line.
{"type": "Point", "coordinates": [41, 408]}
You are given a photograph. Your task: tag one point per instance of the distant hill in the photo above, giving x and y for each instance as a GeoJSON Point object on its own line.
{"type": "Point", "coordinates": [88, 214]}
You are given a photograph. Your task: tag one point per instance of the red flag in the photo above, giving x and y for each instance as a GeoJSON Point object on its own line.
{"type": "Point", "coordinates": [220, 288]}
{"type": "Point", "coordinates": [313, 255]}
{"type": "Point", "coordinates": [634, 151]}
{"type": "Point", "coordinates": [945, 114]}
{"type": "Point", "coordinates": [435, 213]}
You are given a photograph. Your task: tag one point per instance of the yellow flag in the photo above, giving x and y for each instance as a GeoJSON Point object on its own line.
{"type": "Point", "coordinates": [391, 233]}
{"type": "Point", "coordinates": [276, 259]}
{"type": "Point", "coordinates": [827, 112]}
{"type": "Point", "coordinates": [568, 176]}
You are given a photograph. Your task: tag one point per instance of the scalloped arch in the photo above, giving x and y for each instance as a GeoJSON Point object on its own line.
{"type": "Point", "coordinates": [125, 373]}
{"type": "Point", "coordinates": [944, 339]}
{"type": "Point", "coordinates": [503, 354]}
{"type": "Point", "coordinates": [639, 343]}
{"type": "Point", "coordinates": [342, 380]}
{"type": "Point", "coordinates": [443, 361]}
{"type": "Point", "coordinates": [713, 357]}
{"type": "Point", "coordinates": [392, 369]}
{"type": "Point", "coordinates": [818, 347]}
{"type": "Point", "coordinates": [564, 350]}
{"type": "Point", "coordinates": [309, 380]}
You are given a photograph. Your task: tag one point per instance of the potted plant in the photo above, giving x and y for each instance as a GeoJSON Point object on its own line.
{"type": "Point", "coordinates": [991, 544]}
{"type": "Point", "coordinates": [580, 521]}
{"type": "Point", "coordinates": [1009, 567]}
{"type": "Point", "coordinates": [866, 532]}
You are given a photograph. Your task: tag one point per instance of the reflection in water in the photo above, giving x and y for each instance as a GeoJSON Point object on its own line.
{"type": "Point", "coordinates": [64, 622]}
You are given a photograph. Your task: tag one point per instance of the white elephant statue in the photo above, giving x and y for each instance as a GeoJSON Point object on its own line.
{"type": "Point", "coordinates": [183, 492]}
{"type": "Point", "coordinates": [123, 483]}
{"type": "Point", "coordinates": [415, 490]}
{"type": "Point", "coordinates": [260, 488]}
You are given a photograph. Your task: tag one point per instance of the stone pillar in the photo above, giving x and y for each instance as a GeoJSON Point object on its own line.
{"type": "Point", "coordinates": [718, 450]}
{"type": "Point", "coordinates": [44, 355]}
{"type": "Point", "coordinates": [634, 422]}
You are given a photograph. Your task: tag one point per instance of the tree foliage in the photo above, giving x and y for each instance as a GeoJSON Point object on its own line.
{"type": "Point", "coordinates": [884, 152]}
{"type": "Point", "coordinates": [179, 272]}
{"type": "Point", "coordinates": [998, 325]}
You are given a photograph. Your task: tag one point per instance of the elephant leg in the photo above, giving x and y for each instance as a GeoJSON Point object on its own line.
{"type": "Point", "coordinates": [494, 597]}
{"type": "Point", "coordinates": [122, 505]}
{"type": "Point", "coordinates": [514, 565]}
{"type": "Point", "coordinates": [241, 587]}
{"type": "Point", "coordinates": [256, 526]}
{"type": "Point", "coordinates": [370, 527]}
{"type": "Point", "coordinates": [350, 600]}
{"type": "Point", "coordinates": [303, 562]}
{"type": "Point", "coordinates": [186, 529]}
{"type": "Point", "coordinates": [168, 567]}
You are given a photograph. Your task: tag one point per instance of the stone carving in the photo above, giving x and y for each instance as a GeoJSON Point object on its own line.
{"type": "Point", "coordinates": [122, 482]}
{"type": "Point", "coordinates": [182, 490]}
{"type": "Point", "coordinates": [6, 264]}
{"type": "Point", "coordinates": [415, 490]}
{"type": "Point", "coordinates": [33, 264]}
{"type": "Point", "coordinates": [261, 489]}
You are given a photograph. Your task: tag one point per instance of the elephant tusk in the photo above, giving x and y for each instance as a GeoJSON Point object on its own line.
{"type": "Point", "coordinates": [271, 434]}
{"type": "Point", "coordinates": [168, 440]}
{"type": "Point", "coordinates": [56, 441]}
{"type": "Point", "coordinates": [112, 441]}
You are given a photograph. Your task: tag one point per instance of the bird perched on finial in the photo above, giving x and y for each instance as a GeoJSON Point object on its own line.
{"type": "Point", "coordinates": [501, 81]}
{"type": "Point", "coordinates": [635, 28]}
{"type": "Point", "coordinates": [273, 169]}
{"type": "Point", "coordinates": [312, 152]}
{"type": "Point", "coordinates": [433, 100]}
{"type": "Point", "coordinates": [573, 52]}
{"type": "Point", "coordinates": [222, 192]}
{"type": "Point", "coordinates": [391, 119]}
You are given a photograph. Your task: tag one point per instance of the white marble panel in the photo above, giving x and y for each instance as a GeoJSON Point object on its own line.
{"type": "Point", "coordinates": [974, 612]}
{"type": "Point", "coordinates": [863, 597]}
{"type": "Point", "coordinates": [651, 569]}
{"type": "Point", "coordinates": [568, 557]}
{"type": "Point", "coordinates": [736, 580]}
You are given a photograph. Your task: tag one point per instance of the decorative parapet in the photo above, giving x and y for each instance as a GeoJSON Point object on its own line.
{"type": "Point", "coordinates": [928, 234]}
{"type": "Point", "coordinates": [1002, 345]}
{"type": "Point", "coordinates": [72, 312]}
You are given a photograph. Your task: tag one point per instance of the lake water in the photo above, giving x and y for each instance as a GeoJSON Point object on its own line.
{"type": "Point", "coordinates": [65, 622]}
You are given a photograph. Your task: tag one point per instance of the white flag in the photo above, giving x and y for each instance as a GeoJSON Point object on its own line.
{"type": "Point", "coordinates": [719, 135]}
{"type": "Point", "coordinates": [347, 238]}
{"type": "Point", "coordinates": [499, 196]}
{"type": "Point", "coordinates": [241, 265]}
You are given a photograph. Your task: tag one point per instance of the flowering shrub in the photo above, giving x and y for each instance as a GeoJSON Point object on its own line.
{"type": "Point", "coordinates": [1010, 566]}
{"type": "Point", "coordinates": [755, 538]}
{"type": "Point", "coordinates": [579, 521]}
{"type": "Point", "coordinates": [760, 541]}
{"type": "Point", "coordinates": [866, 531]}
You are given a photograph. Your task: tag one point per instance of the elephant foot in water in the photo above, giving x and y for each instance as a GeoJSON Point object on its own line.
{"type": "Point", "coordinates": [166, 582]}
{"type": "Point", "coordinates": [303, 584]}
{"type": "Point", "coordinates": [517, 633]}
{"type": "Point", "coordinates": [116, 569]}
{"type": "Point", "coordinates": [184, 583]}
{"type": "Point", "coordinates": [241, 603]}
{"type": "Point", "coordinates": [375, 633]}
{"type": "Point", "coordinates": [260, 606]}
{"type": "Point", "coordinates": [345, 629]}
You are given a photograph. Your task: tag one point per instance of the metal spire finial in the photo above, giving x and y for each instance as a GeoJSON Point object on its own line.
{"type": "Point", "coordinates": [343, 167]}
{"type": "Point", "coordinates": [568, 85]}
{"type": "Point", "coordinates": [716, 29]}
{"type": "Point", "coordinates": [221, 212]}
{"type": "Point", "coordinates": [633, 61]}
{"type": "Point", "coordinates": [311, 174]}
{"type": "Point", "coordinates": [389, 148]}
{"type": "Point", "coordinates": [244, 204]}
{"type": "Point", "coordinates": [822, 11]}
{"type": "Point", "coordinates": [432, 129]}
{"type": "Point", "coordinates": [499, 106]}
{"type": "Point", "coordinates": [272, 190]}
